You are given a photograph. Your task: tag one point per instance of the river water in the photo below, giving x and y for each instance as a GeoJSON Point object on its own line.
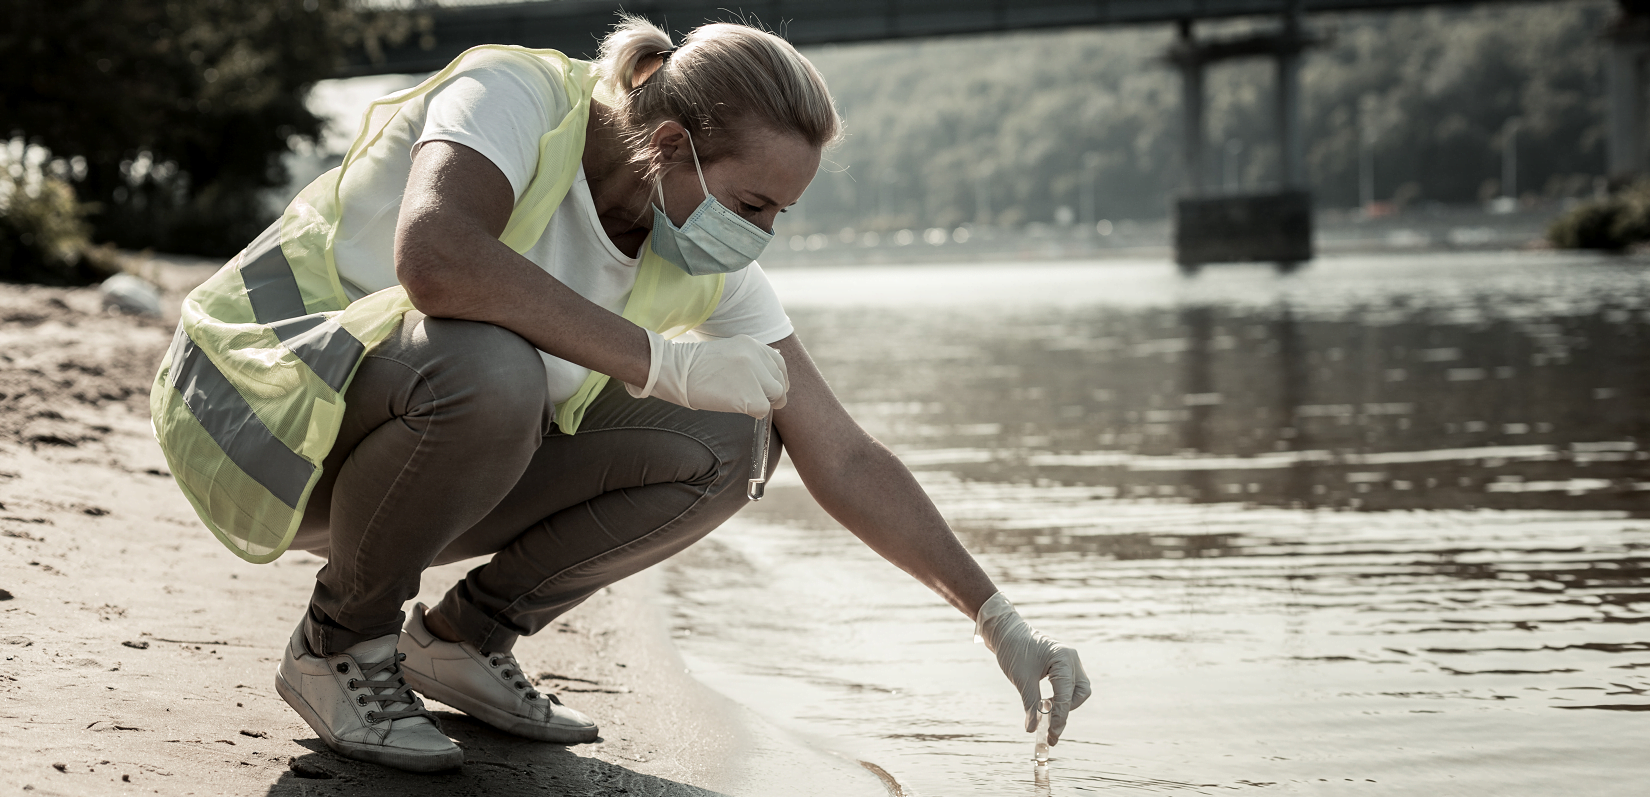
{"type": "Point", "coordinates": [1378, 527]}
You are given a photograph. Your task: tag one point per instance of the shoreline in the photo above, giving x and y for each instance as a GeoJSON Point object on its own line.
{"type": "Point", "coordinates": [137, 655]}
{"type": "Point", "coordinates": [1163, 253]}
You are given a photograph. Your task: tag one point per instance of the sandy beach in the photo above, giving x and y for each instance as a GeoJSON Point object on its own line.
{"type": "Point", "coordinates": [139, 654]}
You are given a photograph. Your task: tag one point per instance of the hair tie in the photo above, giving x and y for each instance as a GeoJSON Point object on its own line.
{"type": "Point", "coordinates": [664, 55]}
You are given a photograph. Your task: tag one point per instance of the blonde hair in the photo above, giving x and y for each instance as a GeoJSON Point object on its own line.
{"type": "Point", "coordinates": [722, 78]}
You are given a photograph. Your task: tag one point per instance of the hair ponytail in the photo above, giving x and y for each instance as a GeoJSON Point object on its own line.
{"type": "Point", "coordinates": [632, 43]}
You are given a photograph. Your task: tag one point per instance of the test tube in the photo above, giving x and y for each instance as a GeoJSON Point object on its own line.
{"type": "Point", "coordinates": [759, 457]}
{"type": "Point", "coordinates": [1040, 752]}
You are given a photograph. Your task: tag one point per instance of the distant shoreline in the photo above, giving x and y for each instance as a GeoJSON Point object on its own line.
{"type": "Point", "coordinates": [1428, 229]}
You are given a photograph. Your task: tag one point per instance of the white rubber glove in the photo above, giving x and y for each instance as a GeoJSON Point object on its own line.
{"type": "Point", "coordinates": [734, 374]}
{"type": "Point", "coordinates": [1027, 657]}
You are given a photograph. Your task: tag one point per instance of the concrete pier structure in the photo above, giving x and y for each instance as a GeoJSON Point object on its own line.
{"type": "Point", "coordinates": [1291, 141]}
{"type": "Point", "coordinates": [1629, 53]}
{"type": "Point", "coordinates": [1274, 226]}
{"type": "Point", "coordinates": [1193, 142]}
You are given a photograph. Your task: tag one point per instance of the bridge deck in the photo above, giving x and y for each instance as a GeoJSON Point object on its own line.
{"type": "Point", "coordinates": [575, 26]}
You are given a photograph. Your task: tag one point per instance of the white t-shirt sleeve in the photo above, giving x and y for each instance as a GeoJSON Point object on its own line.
{"type": "Point", "coordinates": [497, 111]}
{"type": "Point", "coordinates": [749, 306]}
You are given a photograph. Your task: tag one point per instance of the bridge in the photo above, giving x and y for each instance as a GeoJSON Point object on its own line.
{"type": "Point", "coordinates": [1274, 226]}
{"type": "Point", "coordinates": [575, 26]}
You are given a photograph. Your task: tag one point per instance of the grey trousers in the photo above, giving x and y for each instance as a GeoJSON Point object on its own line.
{"type": "Point", "coordinates": [449, 451]}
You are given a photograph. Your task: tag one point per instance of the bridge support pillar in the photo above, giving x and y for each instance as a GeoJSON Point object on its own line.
{"type": "Point", "coordinates": [1192, 144]}
{"type": "Point", "coordinates": [1292, 154]}
{"type": "Point", "coordinates": [1629, 38]}
{"type": "Point", "coordinates": [1270, 226]}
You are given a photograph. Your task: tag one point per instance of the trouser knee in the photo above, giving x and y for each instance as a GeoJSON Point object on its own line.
{"type": "Point", "coordinates": [460, 360]}
{"type": "Point", "coordinates": [646, 479]}
{"type": "Point", "coordinates": [724, 490]}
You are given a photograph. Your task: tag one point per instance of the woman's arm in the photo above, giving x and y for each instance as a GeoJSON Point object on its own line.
{"type": "Point", "coordinates": [866, 488]}
{"type": "Point", "coordinates": [450, 260]}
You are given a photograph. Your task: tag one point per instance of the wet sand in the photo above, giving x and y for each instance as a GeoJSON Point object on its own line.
{"type": "Point", "coordinates": [139, 654]}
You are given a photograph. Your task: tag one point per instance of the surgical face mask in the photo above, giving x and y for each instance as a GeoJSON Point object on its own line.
{"type": "Point", "coordinates": [714, 240]}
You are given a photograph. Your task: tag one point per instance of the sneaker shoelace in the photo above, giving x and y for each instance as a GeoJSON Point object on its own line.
{"type": "Point", "coordinates": [511, 671]}
{"type": "Point", "coordinates": [392, 690]}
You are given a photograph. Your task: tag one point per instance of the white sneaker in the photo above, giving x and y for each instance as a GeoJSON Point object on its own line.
{"type": "Point", "coordinates": [487, 686]}
{"type": "Point", "coordinates": [360, 706]}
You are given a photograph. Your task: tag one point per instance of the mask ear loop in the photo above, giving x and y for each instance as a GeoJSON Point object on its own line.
{"type": "Point", "coordinates": [659, 182]}
{"type": "Point", "coordinates": [696, 168]}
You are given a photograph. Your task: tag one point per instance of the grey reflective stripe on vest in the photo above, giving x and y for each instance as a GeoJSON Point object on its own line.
{"type": "Point", "coordinates": [327, 348]}
{"type": "Point", "coordinates": [226, 416]}
{"type": "Point", "coordinates": [269, 284]}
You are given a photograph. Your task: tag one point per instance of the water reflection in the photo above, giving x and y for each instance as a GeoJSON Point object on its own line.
{"type": "Point", "coordinates": [1381, 407]}
{"type": "Point", "coordinates": [1369, 529]}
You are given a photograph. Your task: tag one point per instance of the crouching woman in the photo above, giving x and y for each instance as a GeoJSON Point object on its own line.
{"type": "Point", "coordinates": [522, 323]}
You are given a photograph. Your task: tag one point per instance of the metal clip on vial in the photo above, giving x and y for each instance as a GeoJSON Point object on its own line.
{"type": "Point", "coordinates": [759, 458]}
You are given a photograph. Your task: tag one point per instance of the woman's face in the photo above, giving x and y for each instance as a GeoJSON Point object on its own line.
{"type": "Point", "coordinates": [766, 174]}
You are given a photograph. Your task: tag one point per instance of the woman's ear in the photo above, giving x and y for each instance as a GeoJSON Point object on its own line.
{"type": "Point", "coordinates": [670, 140]}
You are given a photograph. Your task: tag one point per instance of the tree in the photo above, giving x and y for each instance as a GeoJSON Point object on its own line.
{"type": "Point", "coordinates": [180, 109]}
{"type": "Point", "coordinates": [1018, 125]}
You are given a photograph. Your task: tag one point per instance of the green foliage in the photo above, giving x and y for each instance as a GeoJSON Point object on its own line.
{"type": "Point", "coordinates": [1611, 223]}
{"type": "Point", "coordinates": [180, 109]}
{"type": "Point", "coordinates": [1007, 129]}
{"type": "Point", "coordinates": [43, 230]}
{"type": "Point", "coordinates": [1590, 225]}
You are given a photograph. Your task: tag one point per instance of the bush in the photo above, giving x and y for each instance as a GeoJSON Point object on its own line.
{"type": "Point", "coordinates": [1611, 224]}
{"type": "Point", "coordinates": [1590, 225]}
{"type": "Point", "coordinates": [43, 229]}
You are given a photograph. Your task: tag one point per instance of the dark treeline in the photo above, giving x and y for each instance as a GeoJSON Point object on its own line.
{"type": "Point", "coordinates": [168, 119]}
{"type": "Point", "coordinates": [1007, 130]}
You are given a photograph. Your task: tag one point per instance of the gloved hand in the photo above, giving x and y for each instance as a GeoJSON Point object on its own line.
{"type": "Point", "coordinates": [1027, 657]}
{"type": "Point", "coordinates": [734, 374]}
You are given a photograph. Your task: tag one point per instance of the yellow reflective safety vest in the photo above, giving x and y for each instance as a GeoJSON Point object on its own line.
{"type": "Point", "coordinates": [250, 397]}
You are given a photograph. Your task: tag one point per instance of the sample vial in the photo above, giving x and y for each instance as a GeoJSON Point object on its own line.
{"type": "Point", "coordinates": [760, 440]}
{"type": "Point", "coordinates": [1039, 752]}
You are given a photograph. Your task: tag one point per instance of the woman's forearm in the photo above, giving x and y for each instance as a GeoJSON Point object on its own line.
{"type": "Point", "coordinates": [867, 489]}
{"type": "Point", "coordinates": [497, 286]}
{"type": "Point", "coordinates": [449, 258]}
{"type": "Point", "coordinates": [875, 496]}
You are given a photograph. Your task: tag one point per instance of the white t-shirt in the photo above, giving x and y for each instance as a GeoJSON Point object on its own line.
{"type": "Point", "coordinates": [492, 110]}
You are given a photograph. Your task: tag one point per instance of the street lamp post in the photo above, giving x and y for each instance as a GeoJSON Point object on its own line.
{"type": "Point", "coordinates": [885, 193]}
{"type": "Point", "coordinates": [1087, 200]}
{"type": "Point", "coordinates": [982, 193]}
{"type": "Point", "coordinates": [1231, 174]}
{"type": "Point", "coordinates": [1509, 159]}
{"type": "Point", "coordinates": [1366, 152]}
